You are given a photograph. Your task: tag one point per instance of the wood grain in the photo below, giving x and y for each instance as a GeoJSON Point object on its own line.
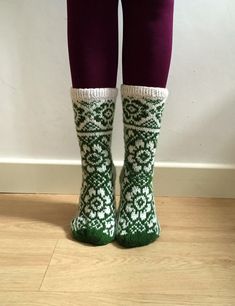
{"type": "Point", "coordinates": [192, 263]}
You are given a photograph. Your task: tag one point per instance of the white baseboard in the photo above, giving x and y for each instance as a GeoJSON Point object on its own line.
{"type": "Point", "coordinates": [64, 177]}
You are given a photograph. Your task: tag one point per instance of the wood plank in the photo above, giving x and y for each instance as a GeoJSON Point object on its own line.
{"type": "Point", "coordinates": [13, 298]}
{"type": "Point", "coordinates": [162, 267]}
{"type": "Point", "coordinates": [192, 263]}
{"type": "Point", "coordinates": [46, 215]}
{"type": "Point", "coordinates": [23, 262]}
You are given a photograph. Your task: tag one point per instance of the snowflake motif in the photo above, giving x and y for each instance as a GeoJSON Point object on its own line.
{"type": "Point", "coordinates": [98, 113]}
{"type": "Point", "coordinates": [108, 111]}
{"type": "Point", "coordinates": [141, 156]}
{"type": "Point", "coordinates": [79, 114]}
{"type": "Point", "coordinates": [138, 214]}
{"type": "Point", "coordinates": [98, 204]}
{"type": "Point", "coordinates": [95, 158]}
{"type": "Point", "coordinates": [134, 109]}
{"type": "Point", "coordinates": [138, 202]}
{"type": "Point", "coordinates": [104, 113]}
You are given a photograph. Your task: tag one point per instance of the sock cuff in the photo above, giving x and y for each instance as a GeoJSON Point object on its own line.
{"type": "Point", "coordinates": [93, 93]}
{"type": "Point", "coordinates": [144, 91]}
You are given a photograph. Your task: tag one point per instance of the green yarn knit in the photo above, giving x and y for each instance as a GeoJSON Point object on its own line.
{"type": "Point", "coordinates": [94, 113]}
{"type": "Point", "coordinates": [137, 221]}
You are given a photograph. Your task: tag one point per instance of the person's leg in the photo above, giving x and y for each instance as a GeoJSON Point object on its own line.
{"type": "Point", "coordinates": [147, 41]}
{"type": "Point", "coordinates": [93, 46]}
{"type": "Point", "coordinates": [92, 30]}
{"type": "Point", "coordinates": [146, 58]}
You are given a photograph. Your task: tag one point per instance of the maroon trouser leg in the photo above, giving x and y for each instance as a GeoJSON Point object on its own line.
{"type": "Point", "coordinates": [92, 30]}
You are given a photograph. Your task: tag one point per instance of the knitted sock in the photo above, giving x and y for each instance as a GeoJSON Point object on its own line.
{"type": "Point", "coordinates": [137, 222]}
{"type": "Point", "coordinates": [94, 113]}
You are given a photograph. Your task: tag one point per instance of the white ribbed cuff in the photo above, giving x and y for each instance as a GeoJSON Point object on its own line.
{"type": "Point", "coordinates": [93, 93]}
{"type": "Point", "coordinates": [144, 91]}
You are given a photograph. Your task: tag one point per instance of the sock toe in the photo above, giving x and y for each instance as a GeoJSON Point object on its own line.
{"type": "Point", "coordinates": [136, 240]}
{"type": "Point", "coordinates": [89, 235]}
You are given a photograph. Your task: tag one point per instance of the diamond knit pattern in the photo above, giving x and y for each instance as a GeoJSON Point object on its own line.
{"type": "Point", "coordinates": [94, 113]}
{"type": "Point", "coordinates": [137, 221]}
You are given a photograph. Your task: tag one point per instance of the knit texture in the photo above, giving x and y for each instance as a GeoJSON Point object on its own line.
{"type": "Point", "coordinates": [137, 221]}
{"type": "Point", "coordinates": [94, 113]}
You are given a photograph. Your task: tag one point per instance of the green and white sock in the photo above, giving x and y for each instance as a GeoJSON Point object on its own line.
{"type": "Point", "coordinates": [94, 113]}
{"type": "Point", "coordinates": [137, 221]}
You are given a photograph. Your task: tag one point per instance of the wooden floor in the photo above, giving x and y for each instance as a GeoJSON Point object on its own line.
{"type": "Point", "coordinates": [192, 263]}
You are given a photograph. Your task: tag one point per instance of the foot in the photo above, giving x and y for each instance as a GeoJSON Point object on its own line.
{"type": "Point", "coordinates": [137, 221]}
{"type": "Point", "coordinates": [94, 113]}
{"type": "Point", "coordinates": [95, 222]}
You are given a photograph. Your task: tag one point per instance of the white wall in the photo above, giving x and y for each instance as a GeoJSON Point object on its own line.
{"type": "Point", "coordinates": [35, 108]}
